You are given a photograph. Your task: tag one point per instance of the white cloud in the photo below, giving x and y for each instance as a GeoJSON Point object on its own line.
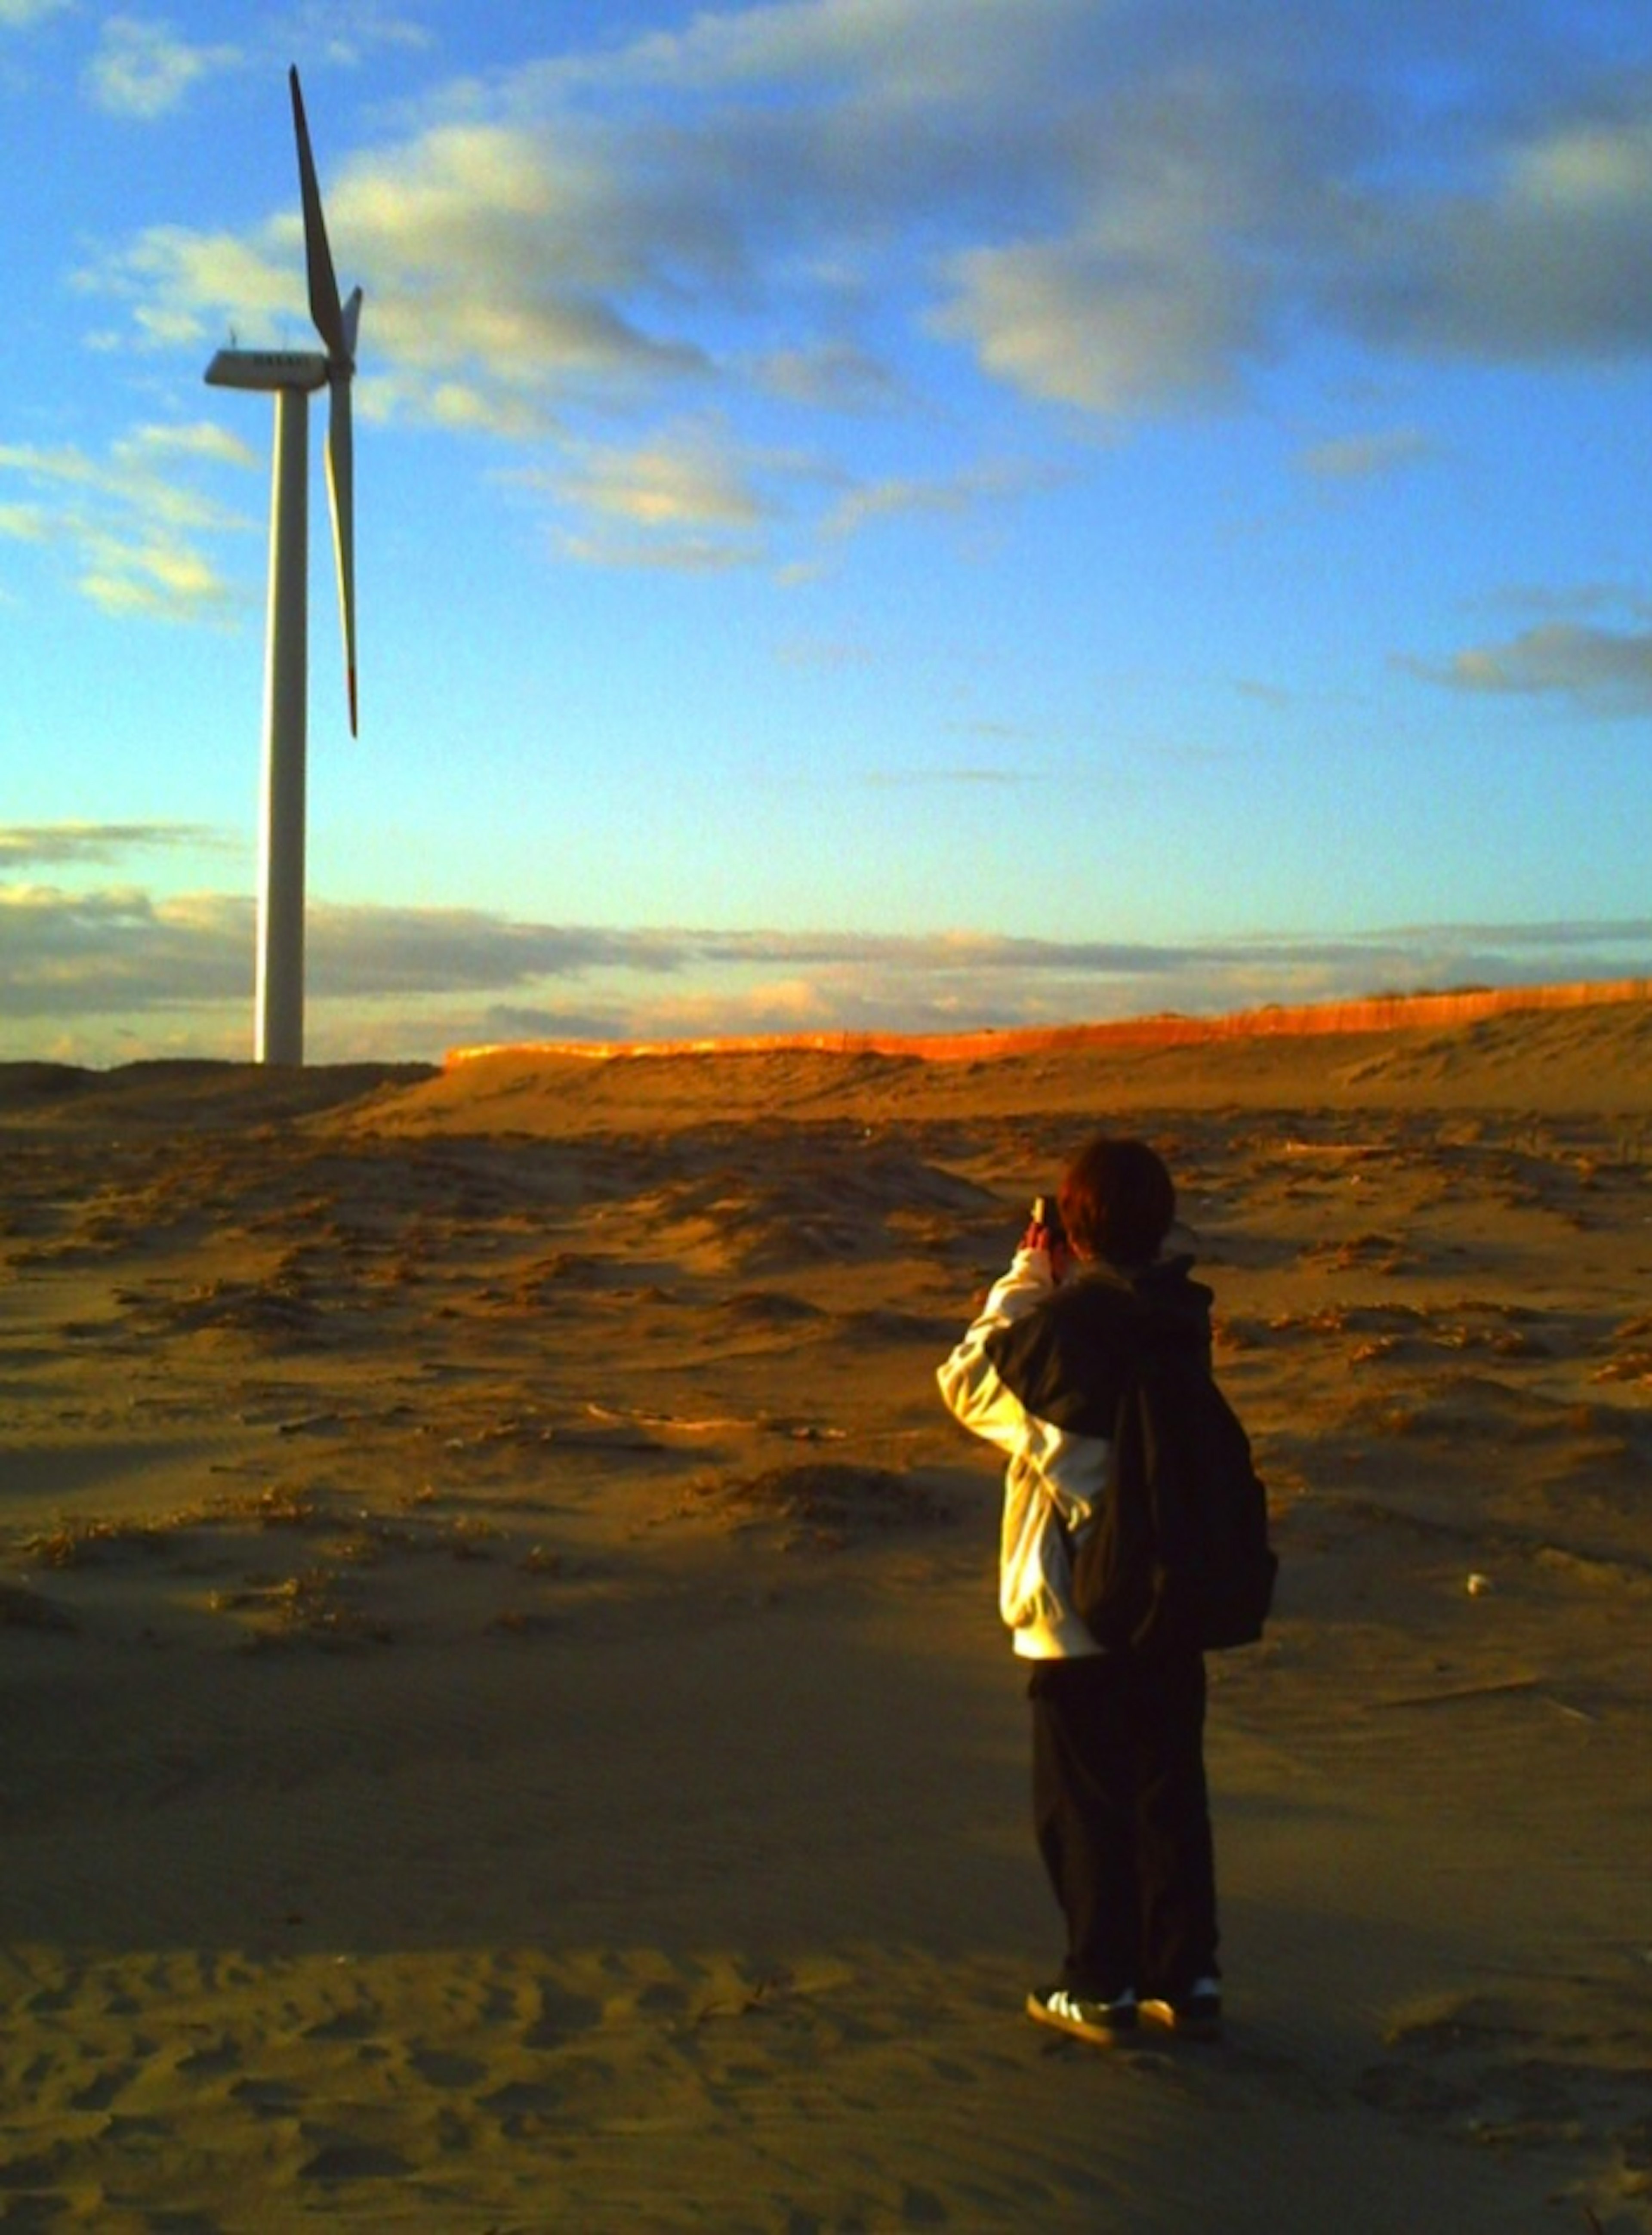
{"type": "Point", "coordinates": [155, 579]}
{"type": "Point", "coordinates": [461, 406]}
{"type": "Point", "coordinates": [199, 438]}
{"type": "Point", "coordinates": [19, 15]}
{"type": "Point", "coordinates": [132, 526]}
{"type": "Point", "coordinates": [142, 68]}
{"type": "Point", "coordinates": [184, 285]}
{"type": "Point", "coordinates": [1123, 211]}
{"type": "Point", "coordinates": [688, 495]}
{"type": "Point", "coordinates": [681, 479]}
{"type": "Point", "coordinates": [1149, 301]}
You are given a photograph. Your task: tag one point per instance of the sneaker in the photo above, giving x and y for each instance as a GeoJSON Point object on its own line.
{"type": "Point", "coordinates": [1196, 2016]}
{"type": "Point", "coordinates": [1100, 2022]}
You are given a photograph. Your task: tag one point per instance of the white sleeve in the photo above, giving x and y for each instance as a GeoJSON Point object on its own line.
{"type": "Point", "coordinates": [969, 1383]}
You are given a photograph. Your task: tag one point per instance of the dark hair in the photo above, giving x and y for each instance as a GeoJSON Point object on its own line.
{"type": "Point", "coordinates": [1118, 1200]}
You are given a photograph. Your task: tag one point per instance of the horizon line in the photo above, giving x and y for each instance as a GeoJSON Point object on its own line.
{"type": "Point", "coordinates": [1169, 1028]}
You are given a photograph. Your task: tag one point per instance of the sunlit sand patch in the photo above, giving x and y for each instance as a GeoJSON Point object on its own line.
{"type": "Point", "coordinates": [73, 1544]}
{"type": "Point", "coordinates": [1632, 1355]}
{"type": "Point", "coordinates": [317, 1604]}
{"type": "Point", "coordinates": [1374, 1252]}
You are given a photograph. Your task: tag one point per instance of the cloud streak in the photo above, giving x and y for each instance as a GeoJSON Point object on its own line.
{"type": "Point", "coordinates": [99, 975]}
{"type": "Point", "coordinates": [1595, 669]}
{"type": "Point", "coordinates": [56, 845]}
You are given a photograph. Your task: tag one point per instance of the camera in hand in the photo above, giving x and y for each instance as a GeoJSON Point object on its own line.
{"type": "Point", "coordinates": [1045, 1215]}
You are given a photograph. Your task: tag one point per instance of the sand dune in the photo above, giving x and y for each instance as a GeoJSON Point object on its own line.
{"type": "Point", "coordinates": [1549, 1049]}
{"type": "Point", "coordinates": [504, 1720]}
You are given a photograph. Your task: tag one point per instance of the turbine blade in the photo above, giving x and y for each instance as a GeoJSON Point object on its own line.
{"type": "Point", "coordinates": [341, 492]}
{"type": "Point", "coordinates": [325, 308]}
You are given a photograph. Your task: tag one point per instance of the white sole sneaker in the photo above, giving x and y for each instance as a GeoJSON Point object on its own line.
{"type": "Point", "coordinates": [1100, 2022]}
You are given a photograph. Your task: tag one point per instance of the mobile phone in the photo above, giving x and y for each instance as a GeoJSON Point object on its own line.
{"type": "Point", "coordinates": [1045, 1215]}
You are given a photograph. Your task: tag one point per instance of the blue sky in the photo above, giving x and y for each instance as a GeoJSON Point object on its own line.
{"type": "Point", "coordinates": [871, 513]}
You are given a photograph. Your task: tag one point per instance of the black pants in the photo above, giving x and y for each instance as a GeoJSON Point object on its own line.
{"type": "Point", "coordinates": [1123, 1820]}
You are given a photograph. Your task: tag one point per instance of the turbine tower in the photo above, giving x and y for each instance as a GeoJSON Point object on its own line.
{"type": "Point", "coordinates": [292, 375]}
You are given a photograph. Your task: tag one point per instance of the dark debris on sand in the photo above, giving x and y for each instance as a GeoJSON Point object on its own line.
{"type": "Point", "coordinates": [832, 1500]}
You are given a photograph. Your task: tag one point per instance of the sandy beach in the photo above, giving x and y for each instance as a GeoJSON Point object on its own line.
{"type": "Point", "coordinates": [503, 1720]}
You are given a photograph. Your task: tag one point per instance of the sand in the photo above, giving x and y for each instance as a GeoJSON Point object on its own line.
{"type": "Point", "coordinates": [503, 1723]}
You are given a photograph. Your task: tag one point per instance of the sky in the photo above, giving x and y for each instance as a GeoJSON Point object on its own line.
{"type": "Point", "coordinates": [871, 514]}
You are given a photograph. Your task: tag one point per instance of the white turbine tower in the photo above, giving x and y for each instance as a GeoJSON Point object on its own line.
{"type": "Point", "coordinates": [291, 376]}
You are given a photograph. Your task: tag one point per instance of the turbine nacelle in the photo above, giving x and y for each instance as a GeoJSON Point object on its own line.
{"type": "Point", "coordinates": [263, 372]}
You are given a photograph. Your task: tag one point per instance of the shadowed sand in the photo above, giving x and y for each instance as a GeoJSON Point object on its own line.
{"type": "Point", "coordinates": [503, 1723]}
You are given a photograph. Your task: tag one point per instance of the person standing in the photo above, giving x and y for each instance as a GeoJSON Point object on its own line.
{"type": "Point", "coordinates": [1119, 1797]}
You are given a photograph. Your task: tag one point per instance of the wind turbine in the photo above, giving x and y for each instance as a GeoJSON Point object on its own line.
{"type": "Point", "coordinates": [292, 375]}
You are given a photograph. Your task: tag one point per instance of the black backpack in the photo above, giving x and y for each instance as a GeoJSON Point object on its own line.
{"type": "Point", "coordinates": [1176, 1553]}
